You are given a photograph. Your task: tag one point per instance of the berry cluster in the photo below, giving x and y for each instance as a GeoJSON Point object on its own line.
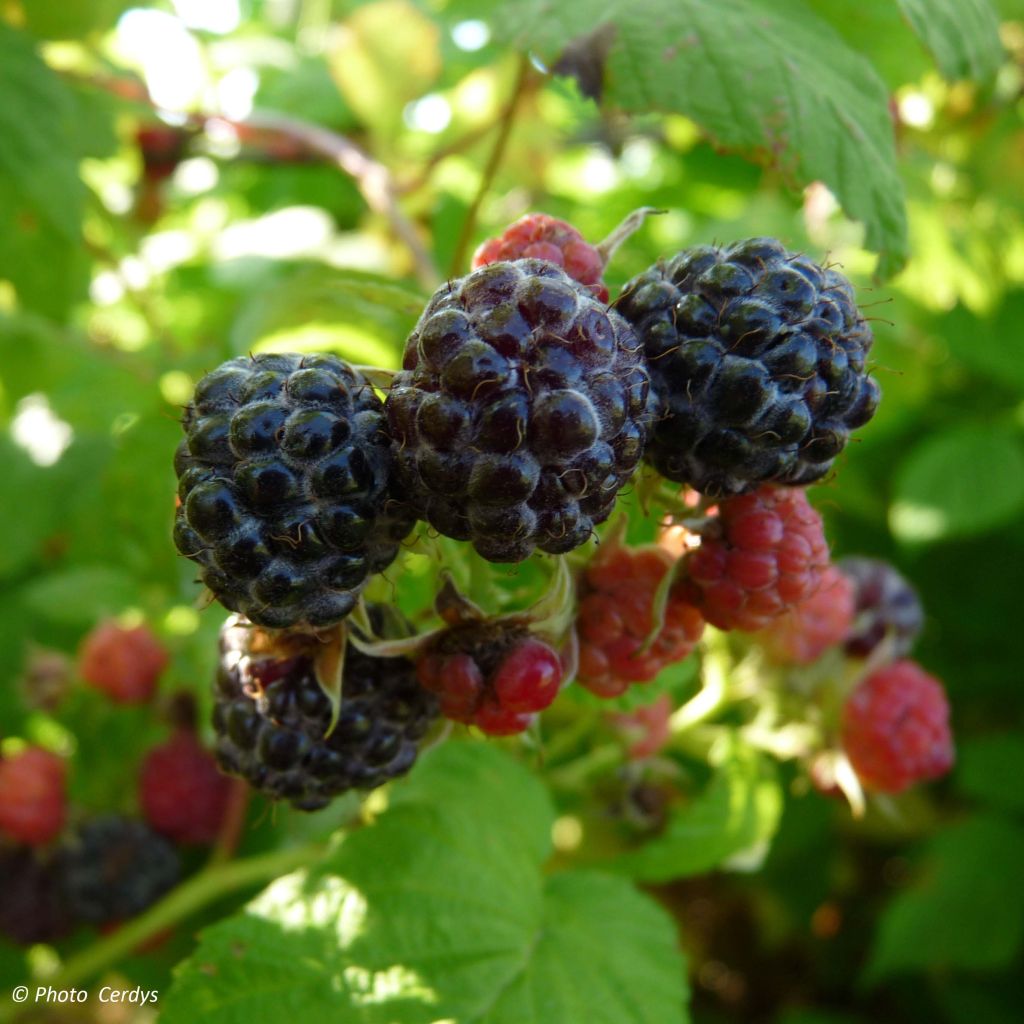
{"type": "Point", "coordinates": [524, 405]}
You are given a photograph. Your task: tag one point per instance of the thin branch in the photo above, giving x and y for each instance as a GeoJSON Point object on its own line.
{"type": "Point", "coordinates": [493, 162]}
{"type": "Point", "coordinates": [372, 178]}
{"type": "Point", "coordinates": [191, 896]}
{"type": "Point", "coordinates": [233, 824]}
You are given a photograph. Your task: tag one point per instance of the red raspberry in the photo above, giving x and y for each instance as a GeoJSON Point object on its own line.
{"type": "Point", "coordinates": [768, 555]}
{"type": "Point", "coordinates": [805, 632]}
{"type": "Point", "coordinates": [616, 615]}
{"type": "Point", "coordinates": [541, 237]}
{"type": "Point", "coordinates": [489, 678]}
{"type": "Point", "coordinates": [895, 728]}
{"type": "Point", "coordinates": [181, 792]}
{"type": "Point", "coordinates": [32, 796]}
{"type": "Point", "coordinates": [123, 663]}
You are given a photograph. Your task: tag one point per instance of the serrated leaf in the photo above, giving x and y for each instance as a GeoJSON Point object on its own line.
{"type": "Point", "coordinates": [782, 85]}
{"type": "Point", "coordinates": [736, 814]}
{"type": "Point", "coordinates": [439, 911]}
{"type": "Point", "coordinates": [960, 483]}
{"type": "Point", "coordinates": [962, 35]}
{"type": "Point", "coordinates": [966, 910]}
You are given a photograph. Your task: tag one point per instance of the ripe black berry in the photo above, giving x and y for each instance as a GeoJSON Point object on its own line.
{"type": "Point", "coordinates": [758, 358]}
{"type": "Point", "coordinates": [272, 718]}
{"type": "Point", "coordinates": [32, 905]}
{"type": "Point", "coordinates": [521, 410]}
{"type": "Point", "coordinates": [114, 868]}
{"type": "Point", "coordinates": [285, 489]}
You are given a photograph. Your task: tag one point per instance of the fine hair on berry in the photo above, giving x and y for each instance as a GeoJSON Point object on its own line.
{"type": "Point", "coordinates": [284, 482]}
{"type": "Point", "coordinates": [758, 357]}
{"type": "Point", "coordinates": [521, 410]}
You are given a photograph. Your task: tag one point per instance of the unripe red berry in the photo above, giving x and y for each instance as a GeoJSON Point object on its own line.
{"type": "Point", "coordinates": [125, 664]}
{"type": "Point", "coordinates": [895, 728]}
{"type": "Point", "coordinates": [182, 793]}
{"type": "Point", "coordinates": [32, 796]}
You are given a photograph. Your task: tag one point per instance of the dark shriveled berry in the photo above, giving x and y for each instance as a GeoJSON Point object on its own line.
{"type": "Point", "coordinates": [284, 481]}
{"type": "Point", "coordinates": [521, 410]}
{"type": "Point", "coordinates": [757, 356]}
{"type": "Point", "coordinates": [272, 719]}
{"type": "Point", "coordinates": [885, 605]}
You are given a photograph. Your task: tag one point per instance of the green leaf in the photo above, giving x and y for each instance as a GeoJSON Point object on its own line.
{"type": "Point", "coordinates": [989, 767]}
{"type": "Point", "coordinates": [963, 482]}
{"type": "Point", "coordinates": [781, 85]}
{"type": "Point", "coordinates": [440, 911]}
{"type": "Point", "coordinates": [966, 910]}
{"type": "Point", "coordinates": [35, 153]}
{"type": "Point", "coordinates": [41, 196]}
{"type": "Point", "coordinates": [992, 345]}
{"type": "Point", "coordinates": [962, 35]}
{"type": "Point", "coordinates": [363, 317]}
{"type": "Point", "coordinates": [735, 817]}
{"type": "Point", "coordinates": [71, 19]}
{"type": "Point", "coordinates": [81, 595]}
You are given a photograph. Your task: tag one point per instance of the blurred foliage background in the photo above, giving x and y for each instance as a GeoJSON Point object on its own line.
{"type": "Point", "coordinates": [167, 201]}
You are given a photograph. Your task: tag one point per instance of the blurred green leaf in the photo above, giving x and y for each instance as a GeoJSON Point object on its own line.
{"type": "Point", "coordinates": [71, 19]}
{"type": "Point", "coordinates": [41, 195]}
{"type": "Point", "coordinates": [35, 153]}
{"type": "Point", "coordinates": [735, 816]}
{"type": "Point", "coordinates": [439, 911]}
{"type": "Point", "coordinates": [963, 35]}
{"type": "Point", "coordinates": [993, 345]}
{"type": "Point", "coordinates": [965, 910]}
{"type": "Point", "coordinates": [989, 767]}
{"type": "Point", "coordinates": [958, 483]}
{"type": "Point", "coordinates": [786, 88]}
{"type": "Point", "coordinates": [363, 317]}
{"type": "Point", "coordinates": [82, 595]}
{"type": "Point", "coordinates": [387, 54]}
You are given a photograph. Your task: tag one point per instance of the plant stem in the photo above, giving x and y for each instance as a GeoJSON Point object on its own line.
{"type": "Point", "coordinates": [209, 885]}
{"type": "Point", "coordinates": [233, 823]}
{"type": "Point", "coordinates": [491, 168]}
{"type": "Point", "coordinates": [574, 775]}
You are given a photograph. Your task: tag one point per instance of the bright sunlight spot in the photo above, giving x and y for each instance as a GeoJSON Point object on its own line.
{"type": "Point", "coordinates": [431, 114]}
{"type": "Point", "coordinates": [219, 16]}
{"type": "Point", "coordinates": [471, 35]}
{"type": "Point", "coordinates": [916, 522]}
{"type": "Point", "coordinates": [39, 431]}
{"type": "Point", "coordinates": [916, 109]}
{"type": "Point", "coordinates": [166, 53]}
